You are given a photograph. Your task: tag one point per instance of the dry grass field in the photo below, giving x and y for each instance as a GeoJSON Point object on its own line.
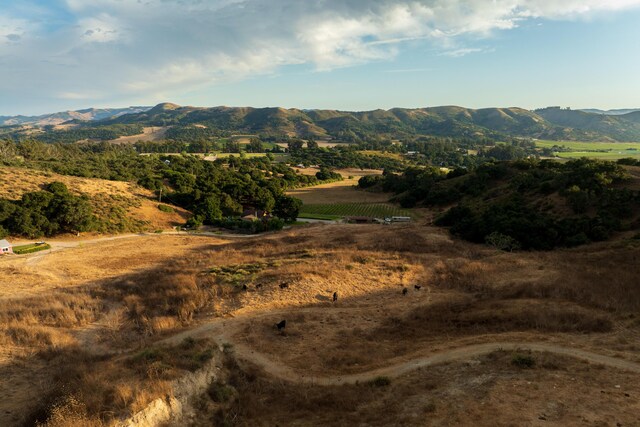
{"type": "Point", "coordinates": [95, 340]}
{"type": "Point", "coordinates": [339, 192]}
{"type": "Point", "coordinates": [128, 207]}
{"type": "Point", "coordinates": [155, 133]}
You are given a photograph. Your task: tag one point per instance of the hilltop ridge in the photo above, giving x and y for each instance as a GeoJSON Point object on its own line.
{"type": "Point", "coordinates": [552, 123]}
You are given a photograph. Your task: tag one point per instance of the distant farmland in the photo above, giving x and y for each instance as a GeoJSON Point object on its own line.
{"type": "Point", "coordinates": [595, 150]}
{"type": "Point", "coordinates": [340, 210]}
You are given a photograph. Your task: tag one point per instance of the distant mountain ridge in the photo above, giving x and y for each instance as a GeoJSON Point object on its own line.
{"type": "Point", "coordinates": [85, 115]}
{"type": "Point", "coordinates": [615, 112]}
{"type": "Point", "coordinates": [552, 123]}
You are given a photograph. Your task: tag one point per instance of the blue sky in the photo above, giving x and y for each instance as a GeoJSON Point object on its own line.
{"type": "Point", "coordinates": [348, 54]}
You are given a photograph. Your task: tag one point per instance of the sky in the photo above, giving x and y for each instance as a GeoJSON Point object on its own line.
{"type": "Point", "coordinates": [57, 55]}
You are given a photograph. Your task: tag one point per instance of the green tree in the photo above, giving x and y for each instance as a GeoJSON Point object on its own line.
{"type": "Point", "coordinates": [255, 146]}
{"type": "Point", "coordinates": [287, 208]}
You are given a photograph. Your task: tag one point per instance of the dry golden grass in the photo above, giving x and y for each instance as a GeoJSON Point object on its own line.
{"type": "Point", "coordinates": [90, 390]}
{"type": "Point", "coordinates": [155, 133]}
{"type": "Point", "coordinates": [86, 263]}
{"type": "Point", "coordinates": [136, 291]}
{"type": "Point", "coordinates": [487, 391]}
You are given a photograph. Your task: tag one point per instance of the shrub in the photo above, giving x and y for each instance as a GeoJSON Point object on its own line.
{"type": "Point", "coordinates": [219, 392]}
{"type": "Point", "coordinates": [523, 361]}
{"type": "Point", "coordinates": [165, 208]}
{"type": "Point", "coordinates": [502, 242]}
{"type": "Point", "coordinates": [29, 249]}
{"type": "Point", "coordinates": [380, 382]}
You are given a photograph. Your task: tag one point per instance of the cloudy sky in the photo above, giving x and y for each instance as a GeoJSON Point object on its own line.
{"type": "Point", "coordinates": [344, 54]}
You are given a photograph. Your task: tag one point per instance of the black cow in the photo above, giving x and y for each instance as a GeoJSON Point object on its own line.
{"type": "Point", "coordinates": [335, 296]}
{"type": "Point", "coordinates": [284, 285]}
{"type": "Point", "coordinates": [404, 291]}
{"type": "Point", "coordinates": [281, 325]}
{"type": "Point", "coordinates": [259, 285]}
{"type": "Point", "coordinates": [417, 287]}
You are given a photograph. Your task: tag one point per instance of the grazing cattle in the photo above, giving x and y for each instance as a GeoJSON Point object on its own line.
{"type": "Point", "coordinates": [404, 291]}
{"type": "Point", "coordinates": [244, 287]}
{"type": "Point", "coordinates": [284, 285]}
{"type": "Point", "coordinates": [417, 287]}
{"type": "Point", "coordinates": [259, 285]}
{"type": "Point", "coordinates": [335, 296]}
{"type": "Point", "coordinates": [281, 325]}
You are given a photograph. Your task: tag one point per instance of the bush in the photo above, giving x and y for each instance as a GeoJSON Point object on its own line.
{"type": "Point", "coordinates": [523, 361]}
{"type": "Point", "coordinates": [220, 393]}
{"type": "Point", "coordinates": [368, 181]}
{"type": "Point", "coordinates": [502, 242]}
{"type": "Point", "coordinates": [165, 208]}
{"type": "Point", "coordinates": [380, 382]}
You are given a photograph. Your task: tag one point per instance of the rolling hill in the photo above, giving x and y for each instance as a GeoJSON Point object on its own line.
{"type": "Point", "coordinates": [551, 123]}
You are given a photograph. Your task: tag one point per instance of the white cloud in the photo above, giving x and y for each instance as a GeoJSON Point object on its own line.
{"type": "Point", "coordinates": [117, 50]}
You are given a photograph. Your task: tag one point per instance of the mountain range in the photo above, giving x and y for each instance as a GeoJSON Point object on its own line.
{"type": "Point", "coordinates": [89, 114]}
{"type": "Point", "coordinates": [614, 112]}
{"type": "Point", "coordinates": [552, 123]}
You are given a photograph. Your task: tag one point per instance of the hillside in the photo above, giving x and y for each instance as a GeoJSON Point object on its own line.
{"type": "Point", "coordinates": [575, 124]}
{"type": "Point", "coordinates": [551, 123]}
{"type": "Point", "coordinates": [527, 204]}
{"type": "Point", "coordinates": [121, 206]}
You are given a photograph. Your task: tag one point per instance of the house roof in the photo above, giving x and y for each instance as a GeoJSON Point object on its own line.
{"type": "Point", "coordinates": [4, 244]}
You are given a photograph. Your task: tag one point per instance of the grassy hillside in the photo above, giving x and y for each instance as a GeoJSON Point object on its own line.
{"type": "Point", "coordinates": [451, 121]}
{"type": "Point", "coordinates": [527, 204]}
{"type": "Point", "coordinates": [120, 206]}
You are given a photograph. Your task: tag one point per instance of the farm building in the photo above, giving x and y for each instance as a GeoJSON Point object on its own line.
{"type": "Point", "coordinates": [5, 247]}
{"type": "Point", "coordinates": [253, 214]}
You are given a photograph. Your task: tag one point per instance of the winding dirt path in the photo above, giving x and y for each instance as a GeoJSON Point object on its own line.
{"type": "Point", "coordinates": [223, 330]}
{"type": "Point", "coordinates": [462, 353]}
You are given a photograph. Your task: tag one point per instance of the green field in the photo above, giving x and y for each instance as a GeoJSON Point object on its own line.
{"type": "Point", "coordinates": [339, 210]}
{"type": "Point", "coordinates": [31, 248]}
{"type": "Point", "coordinates": [595, 150]}
{"type": "Point", "coordinates": [279, 157]}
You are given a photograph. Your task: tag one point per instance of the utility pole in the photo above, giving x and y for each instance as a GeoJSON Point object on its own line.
{"type": "Point", "coordinates": [160, 196]}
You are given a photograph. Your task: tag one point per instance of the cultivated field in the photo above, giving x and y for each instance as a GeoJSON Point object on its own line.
{"type": "Point", "coordinates": [339, 192]}
{"type": "Point", "coordinates": [100, 343]}
{"type": "Point", "coordinates": [595, 150]}
{"type": "Point", "coordinates": [155, 133]}
{"type": "Point", "coordinates": [339, 210]}
{"type": "Point", "coordinates": [339, 199]}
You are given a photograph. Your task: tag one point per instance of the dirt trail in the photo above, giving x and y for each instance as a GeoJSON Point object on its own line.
{"type": "Point", "coordinates": [57, 245]}
{"type": "Point", "coordinates": [223, 331]}
{"type": "Point", "coordinates": [467, 352]}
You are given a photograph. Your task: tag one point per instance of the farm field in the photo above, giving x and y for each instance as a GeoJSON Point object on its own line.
{"type": "Point", "coordinates": [595, 150]}
{"type": "Point", "coordinates": [344, 191]}
{"type": "Point", "coordinates": [30, 248]}
{"type": "Point", "coordinates": [340, 210]}
{"type": "Point", "coordinates": [396, 156]}
{"type": "Point", "coordinates": [155, 133]}
{"type": "Point", "coordinates": [480, 339]}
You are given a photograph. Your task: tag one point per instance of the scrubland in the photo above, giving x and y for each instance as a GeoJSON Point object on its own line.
{"type": "Point", "coordinates": [96, 348]}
